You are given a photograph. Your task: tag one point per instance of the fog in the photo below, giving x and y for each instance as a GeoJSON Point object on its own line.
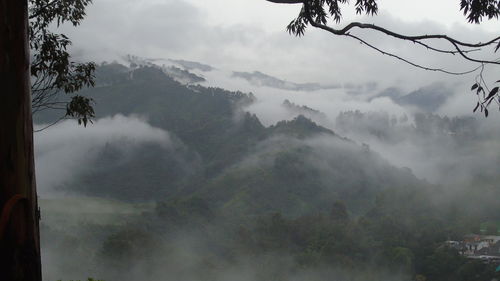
{"type": "Point", "coordinates": [427, 156]}
{"type": "Point", "coordinates": [115, 240]}
{"type": "Point", "coordinates": [66, 150]}
{"type": "Point", "coordinates": [312, 158]}
{"type": "Point", "coordinates": [221, 37]}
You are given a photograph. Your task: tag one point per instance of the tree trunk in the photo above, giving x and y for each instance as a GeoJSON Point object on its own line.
{"type": "Point", "coordinates": [19, 233]}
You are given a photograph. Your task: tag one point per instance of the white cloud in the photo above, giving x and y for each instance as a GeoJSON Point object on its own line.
{"type": "Point", "coordinates": [247, 35]}
{"type": "Point", "coordinates": [63, 151]}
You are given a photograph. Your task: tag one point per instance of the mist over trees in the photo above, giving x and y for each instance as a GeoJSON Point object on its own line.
{"type": "Point", "coordinates": [227, 197]}
{"type": "Point", "coordinates": [194, 186]}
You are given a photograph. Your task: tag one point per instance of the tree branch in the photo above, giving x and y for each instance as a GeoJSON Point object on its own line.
{"type": "Point", "coordinates": [314, 13]}
{"type": "Point", "coordinates": [286, 1]}
{"type": "Point", "coordinates": [415, 39]}
{"type": "Point", "coordinates": [50, 125]}
{"type": "Point", "coordinates": [40, 10]}
{"type": "Point", "coordinates": [408, 61]}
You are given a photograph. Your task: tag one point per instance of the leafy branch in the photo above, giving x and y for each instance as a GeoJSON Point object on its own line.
{"type": "Point", "coordinates": [52, 70]}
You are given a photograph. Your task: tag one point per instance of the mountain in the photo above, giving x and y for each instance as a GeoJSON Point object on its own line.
{"type": "Point", "coordinates": [179, 70]}
{"type": "Point", "coordinates": [304, 110]}
{"type": "Point", "coordinates": [261, 79]}
{"type": "Point", "coordinates": [193, 65]}
{"type": "Point", "coordinates": [231, 198]}
{"type": "Point", "coordinates": [298, 166]}
{"type": "Point", "coordinates": [183, 76]}
{"type": "Point", "coordinates": [427, 99]}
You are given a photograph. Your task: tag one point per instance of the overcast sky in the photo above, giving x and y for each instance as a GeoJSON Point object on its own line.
{"type": "Point", "coordinates": [248, 35]}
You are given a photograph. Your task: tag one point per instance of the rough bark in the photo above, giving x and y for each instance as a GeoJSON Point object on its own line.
{"type": "Point", "coordinates": [19, 232]}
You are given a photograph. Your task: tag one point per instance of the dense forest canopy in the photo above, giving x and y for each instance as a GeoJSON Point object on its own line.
{"type": "Point", "coordinates": [230, 195]}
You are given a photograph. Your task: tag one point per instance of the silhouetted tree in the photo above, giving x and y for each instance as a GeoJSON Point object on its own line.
{"type": "Point", "coordinates": [24, 25]}
{"type": "Point", "coordinates": [19, 233]}
{"type": "Point", "coordinates": [52, 70]}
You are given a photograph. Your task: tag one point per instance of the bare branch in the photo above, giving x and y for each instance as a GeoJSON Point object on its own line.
{"type": "Point", "coordinates": [416, 39]}
{"type": "Point", "coordinates": [404, 37]}
{"type": "Point", "coordinates": [408, 61]}
{"type": "Point", "coordinates": [50, 125]}
{"type": "Point", "coordinates": [286, 1]}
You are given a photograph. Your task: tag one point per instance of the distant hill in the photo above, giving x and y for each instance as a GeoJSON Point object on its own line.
{"type": "Point", "coordinates": [261, 79]}
{"type": "Point", "coordinates": [190, 65]}
{"type": "Point", "coordinates": [306, 111]}
{"type": "Point", "coordinates": [427, 99]}
{"type": "Point", "coordinates": [226, 156]}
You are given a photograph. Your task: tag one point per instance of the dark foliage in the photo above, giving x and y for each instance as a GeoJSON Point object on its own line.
{"type": "Point", "coordinates": [52, 69]}
{"type": "Point", "coordinates": [262, 197]}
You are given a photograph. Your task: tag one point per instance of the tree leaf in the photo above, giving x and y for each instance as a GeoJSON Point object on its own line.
{"type": "Point", "coordinates": [492, 93]}
{"type": "Point", "coordinates": [475, 108]}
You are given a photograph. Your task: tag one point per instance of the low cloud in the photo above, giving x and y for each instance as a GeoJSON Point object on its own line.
{"type": "Point", "coordinates": [63, 151]}
{"type": "Point", "coordinates": [189, 30]}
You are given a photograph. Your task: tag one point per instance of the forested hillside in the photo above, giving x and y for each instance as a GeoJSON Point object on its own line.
{"type": "Point", "coordinates": [226, 154]}
{"type": "Point", "coordinates": [229, 197]}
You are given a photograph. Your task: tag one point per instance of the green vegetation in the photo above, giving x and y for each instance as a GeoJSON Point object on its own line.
{"type": "Point", "coordinates": [234, 198]}
{"type": "Point", "coordinates": [89, 279]}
